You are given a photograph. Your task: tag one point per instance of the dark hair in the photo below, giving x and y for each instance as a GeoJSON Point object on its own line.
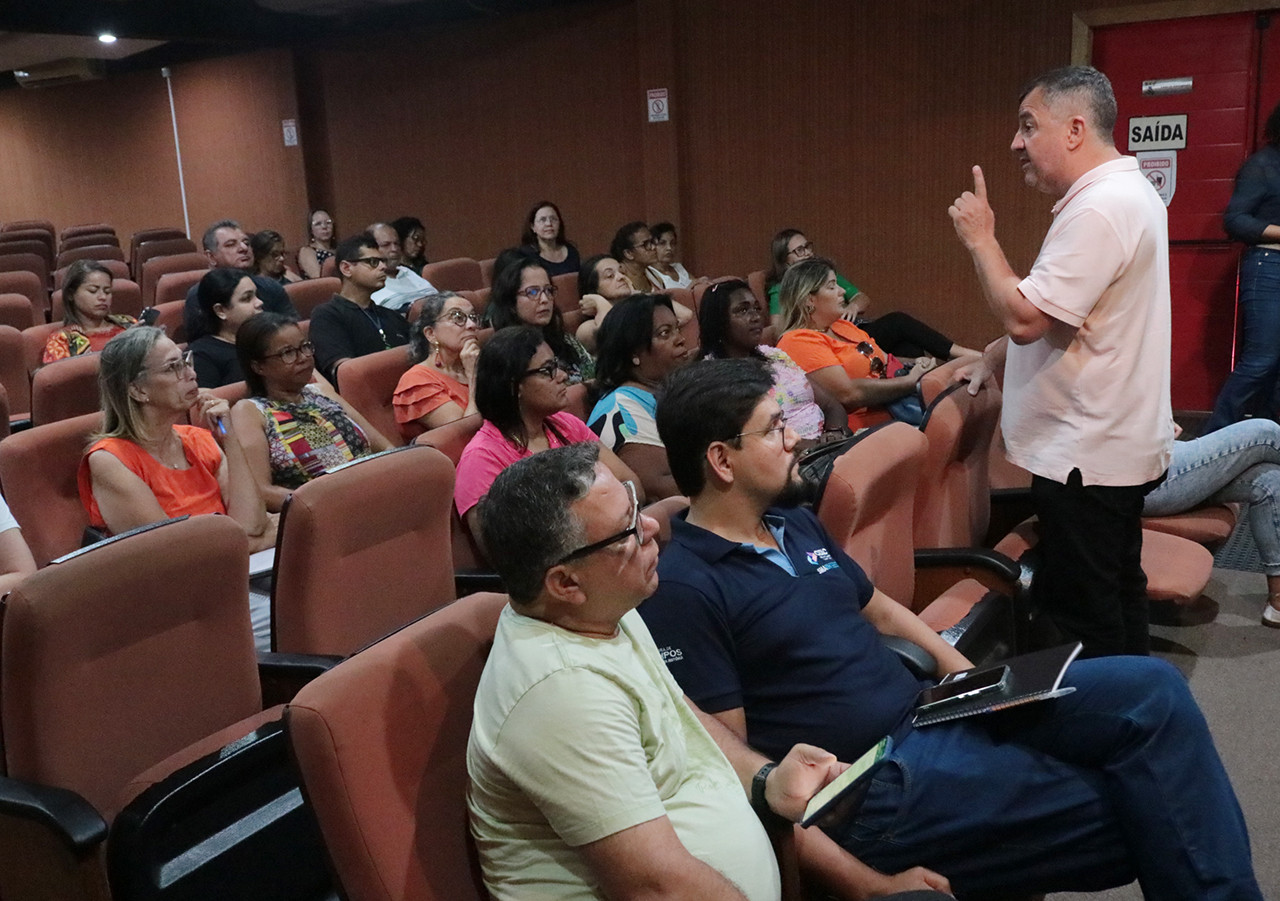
{"type": "Point", "coordinates": [502, 306]}
{"type": "Point", "coordinates": [1272, 130]}
{"type": "Point", "coordinates": [662, 228]}
{"type": "Point", "coordinates": [77, 273]}
{"type": "Point", "coordinates": [506, 258]}
{"type": "Point", "coordinates": [428, 313]}
{"type": "Point", "coordinates": [216, 287]}
{"type": "Point", "coordinates": [1089, 85]}
{"type": "Point", "coordinates": [710, 400]}
{"type": "Point", "coordinates": [778, 255]}
{"type": "Point", "coordinates": [588, 278]}
{"type": "Point", "coordinates": [403, 226]}
{"type": "Point", "coordinates": [528, 237]}
{"type": "Point", "coordinates": [622, 240]}
{"type": "Point", "coordinates": [499, 371]}
{"type": "Point", "coordinates": [251, 343]}
{"type": "Point", "coordinates": [210, 239]}
{"type": "Point", "coordinates": [348, 251]}
{"type": "Point", "coordinates": [261, 243]}
{"type": "Point", "coordinates": [525, 517]}
{"type": "Point", "coordinates": [713, 317]}
{"type": "Point", "coordinates": [626, 330]}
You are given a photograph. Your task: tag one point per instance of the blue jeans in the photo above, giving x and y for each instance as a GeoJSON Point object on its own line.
{"type": "Point", "coordinates": [1241, 463]}
{"type": "Point", "coordinates": [1081, 793]}
{"type": "Point", "coordinates": [1251, 387]}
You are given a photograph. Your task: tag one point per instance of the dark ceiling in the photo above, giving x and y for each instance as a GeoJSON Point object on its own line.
{"type": "Point", "coordinates": [155, 33]}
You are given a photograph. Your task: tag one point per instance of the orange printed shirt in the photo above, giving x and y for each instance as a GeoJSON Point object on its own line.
{"type": "Point", "coordinates": [812, 350]}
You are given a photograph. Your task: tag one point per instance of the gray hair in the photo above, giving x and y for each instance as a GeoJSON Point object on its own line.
{"type": "Point", "coordinates": [1084, 83]}
{"type": "Point", "coordinates": [432, 307]}
{"type": "Point", "coordinates": [120, 365]}
{"type": "Point", "coordinates": [525, 517]}
{"type": "Point", "coordinates": [210, 239]}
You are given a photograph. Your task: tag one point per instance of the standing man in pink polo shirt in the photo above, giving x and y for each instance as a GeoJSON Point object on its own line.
{"type": "Point", "coordinates": [1086, 405]}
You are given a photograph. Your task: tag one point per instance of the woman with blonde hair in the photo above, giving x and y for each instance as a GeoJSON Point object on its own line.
{"type": "Point", "coordinates": [839, 357]}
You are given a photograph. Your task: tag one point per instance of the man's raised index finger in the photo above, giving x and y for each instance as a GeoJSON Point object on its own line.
{"type": "Point", "coordinates": [979, 183]}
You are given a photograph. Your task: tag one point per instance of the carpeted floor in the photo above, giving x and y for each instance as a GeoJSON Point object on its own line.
{"type": "Point", "coordinates": [1232, 663]}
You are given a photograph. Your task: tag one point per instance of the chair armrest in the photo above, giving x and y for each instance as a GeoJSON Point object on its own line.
{"type": "Point", "coordinates": [937, 569]}
{"type": "Point", "coordinates": [465, 583]}
{"type": "Point", "coordinates": [60, 811]}
{"type": "Point", "coordinates": [915, 658]}
{"type": "Point", "coordinates": [282, 675]}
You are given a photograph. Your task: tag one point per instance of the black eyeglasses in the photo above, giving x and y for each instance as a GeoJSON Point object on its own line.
{"type": "Point", "coordinates": [548, 369]}
{"type": "Point", "coordinates": [372, 262]}
{"type": "Point", "coordinates": [291, 355]}
{"type": "Point", "coordinates": [459, 318]}
{"type": "Point", "coordinates": [633, 529]}
{"type": "Point", "coordinates": [647, 245]}
{"type": "Point", "coordinates": [877, 364]}
{"type": "Point", "coordinates": [535, 292]}
{"type": "Point", "coordinates": [804, 250]}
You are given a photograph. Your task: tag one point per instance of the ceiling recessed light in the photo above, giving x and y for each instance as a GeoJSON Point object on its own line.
{"type": "Point", "coordinates": [107, 37]}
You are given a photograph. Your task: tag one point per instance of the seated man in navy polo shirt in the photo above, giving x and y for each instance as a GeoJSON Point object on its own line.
{"type": "Point", "coordinates": [772, 628]}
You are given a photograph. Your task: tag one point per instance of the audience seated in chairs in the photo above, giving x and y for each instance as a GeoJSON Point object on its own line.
{"type": "Point", "coordinates": [591, 774]}
{"type": "Point", "coordinates": [226, 244]}
{"type": "Point", "coordinates": [839, 356]}
{"type": "Point", "coordinates": [640, 345]}
{"type": "Point", "coordinates": [319, 246]}
{"type": "Point", "coordinates": [16, 562]}
{"type": "Point", "coordinates": [269, 257]}
{"type": "Point", "coordinates": [292, 431]}
{"type": "Point", "coordinates": [731, 321]}
{"type": "Point", "coordinates": [350, 324]}
{"type": "Point", "coordinates": [523, 295]}
{"type": "Point", "coordinates": [86, 313]}
{"type": "Point", "coordinates": [521, 391]}
{"type": "Point", "coordinates": [897, 332]}
{"type": "Point", "coordinates": [413, 242]}
{"type": "Point", "coordinates": [146, 464]}
{"type": "Point", "coordinates": [666, 271]}
{"type": "Point", "coordinates": [543, 239]}
{"type": "Point", "coordinates": [444, 347]}
{"type": "Point", "coordinates": [228, 297]}
{"type": "Point", "coordinates": [1118, 779]}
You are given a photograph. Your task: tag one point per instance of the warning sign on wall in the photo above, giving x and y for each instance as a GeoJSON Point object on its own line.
{"type": "Point", "coordinates": [1161, 169]}
{"type": "Point", "coordinates": [659, 105]}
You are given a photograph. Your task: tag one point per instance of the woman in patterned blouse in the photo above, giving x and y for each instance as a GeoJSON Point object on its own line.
{"type": "Point", "coordinates": [292, 429]}
{"type": "Point", "coordinates": [86, 312]}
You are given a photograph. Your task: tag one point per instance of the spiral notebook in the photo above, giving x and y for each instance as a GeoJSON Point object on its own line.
{"type": "Point", "coordinates": [1032, 677]}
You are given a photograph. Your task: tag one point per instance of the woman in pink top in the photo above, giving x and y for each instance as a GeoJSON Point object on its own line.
{"type": "Point", "coordinates": [521, 390]}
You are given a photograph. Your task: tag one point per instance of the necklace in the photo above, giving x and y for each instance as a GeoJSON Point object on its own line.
{"type": "Point", "coordinates": [376, 324]}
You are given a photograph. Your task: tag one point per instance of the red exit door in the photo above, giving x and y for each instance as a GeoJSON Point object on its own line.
{"type": "Point", "coordinates": [1233, 64]}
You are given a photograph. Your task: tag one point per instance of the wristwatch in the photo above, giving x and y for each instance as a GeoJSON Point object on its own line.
{"type": "Point", "coordinates": [758, 802]}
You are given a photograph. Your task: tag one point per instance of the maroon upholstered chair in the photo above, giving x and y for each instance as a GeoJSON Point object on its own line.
{"type": "Point", "coordinates": [361, 551]}
{"type": "Point", "coordinates": [16, 311]}
{"type": "Point", "coordinates": [458, 274]}
{"type": "Point", "coordinates": [381, 744]}
{"type": "Point", "coordinates": [65, 389]}
{"type": "Point", "coordinates": [309, 293]}
{"type": "Point", "coordinates": [368, 384]}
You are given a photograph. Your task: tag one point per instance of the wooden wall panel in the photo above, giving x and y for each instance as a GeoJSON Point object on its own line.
{"type": "Point", "coordinates": [100, 151]}
{"type": "Point", "coordinates": [467, 126]}
{"type": "Point", "coordinates": [229, 118]}
{"type": "Point", "coordinates": [103, 150]}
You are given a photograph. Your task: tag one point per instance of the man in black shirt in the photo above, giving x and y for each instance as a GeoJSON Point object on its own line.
{"type": "Point", "coordinates": [351, 324]}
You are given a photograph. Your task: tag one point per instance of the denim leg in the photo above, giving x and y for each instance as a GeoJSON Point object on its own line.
{"type": "Point", "coordinates": [1239, 463]}
{"type": "Point", "coordinates": [994, 817]}
{"type": "Point", "coordinates": [1252, 382]}
{"type": "Point", "coordinates": [1134, 720]}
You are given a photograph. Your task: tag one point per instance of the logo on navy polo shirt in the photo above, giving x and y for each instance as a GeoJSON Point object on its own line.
{"type": "Point", "coordinates": [671, 655]}
{"type": "Point", "coordinates": [820, 558]}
